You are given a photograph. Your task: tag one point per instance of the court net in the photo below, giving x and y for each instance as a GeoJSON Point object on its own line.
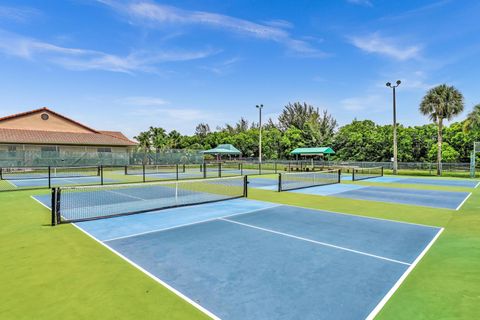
{"type": "Point", "coordinates": [19, 173]}
{"type": "Point", "coordinates": [366, 173]}
{"type": "Point", "coordinates": [81, 203]}
{"type": "Point", "coordinates": [299, 180]}
{"type": "Point", "coordinates": [154, 169]}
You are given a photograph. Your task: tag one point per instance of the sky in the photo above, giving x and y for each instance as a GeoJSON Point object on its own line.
{"type": "Point", "coordinates": [127, 65]}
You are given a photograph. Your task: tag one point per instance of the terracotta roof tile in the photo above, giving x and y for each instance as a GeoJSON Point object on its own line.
{"type": "Point", "coordinates": [53, 137]}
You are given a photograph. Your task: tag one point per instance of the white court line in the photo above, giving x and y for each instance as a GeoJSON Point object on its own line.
{"type": "Point", "coordinates": [178, 293]}
{"type": "Point", "coordinates": [126, 195]}
{"type": "Point", "coordinates": [14, 185]}
{"type": "Point", "coordinates": [478, 184]}
{"type": "Point", "coordinates": [389, 294]}
{"type": "Point", "coordinates": [188, 224]}
{"type": "Point", "coordinates": [316, 242]}
{"type": "Point", "coordinates": [464, 200]}
{"type": "Point", "coordinates": [355, 215]}
{"type": "Point", "coordinates": [43, 204]}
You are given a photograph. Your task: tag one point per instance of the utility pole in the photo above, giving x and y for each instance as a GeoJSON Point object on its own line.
{"type": "Point", "coordinates": [395, 147]}
{"type": "Point", "coordinates": [260, 107]}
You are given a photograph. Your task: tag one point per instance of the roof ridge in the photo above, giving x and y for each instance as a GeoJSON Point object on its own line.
{"type": "Point", "coordinates": [16, 115]}
{"type": "Point", "coordinates": [104, 132]}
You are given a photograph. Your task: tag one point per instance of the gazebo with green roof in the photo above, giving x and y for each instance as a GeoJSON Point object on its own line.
{"type": "Point", "coordinates": [317, 151]}
{"type": "Point", "coordinates": [223, 149]}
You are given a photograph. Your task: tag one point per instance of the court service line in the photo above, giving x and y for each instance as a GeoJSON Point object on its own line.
{"type": "Point", "coordinates": [464, 200]}
{"type": "Point", "coordinates": [187, 224]}
{"type": "Point", "coordinates": [166, 285]}
{"type": "Point", "coordinates": [390, 293]}
{"type": "Point", "coordinates": [316, 242]}
{"type": "Point", "coordinates": [126, 195]}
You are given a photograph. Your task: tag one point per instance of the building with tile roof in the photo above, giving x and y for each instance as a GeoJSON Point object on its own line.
{"type": "Point", "coordinates": [45, 131]}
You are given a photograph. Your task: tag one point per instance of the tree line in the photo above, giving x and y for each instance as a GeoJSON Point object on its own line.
{"type": "Point", "coordinates": [303, 125]}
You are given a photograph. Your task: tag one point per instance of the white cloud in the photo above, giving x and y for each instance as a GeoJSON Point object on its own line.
{"type": "Point", "coordinates": [85, 59]}
{"type": "Point", "coordinates": [222, 67]}
{"type": "Point", "coordinates": [374, 43]}
{"type": "Point", "coordinates": [143, 101]}
{"type": "Point", "coordinates": [372, 102]}
{"type": "Point", "coordinates": [157, 15]}
{"type": "Point", "coordinates": [18, 14]}
{"type": "Point", "coordinates": [366, 3]}
{"type": "Point", "coordinates": [411, 80]}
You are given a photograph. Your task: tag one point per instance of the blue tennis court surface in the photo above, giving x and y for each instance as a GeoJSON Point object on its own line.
{"type": "Point", "coordinates": [245, 259]}
{"type": "Point", "coordinates": [428, 198]}
{"type": "Point", "coordinates": [25, 183]}
{"type": "Point", "coordinates": [429, 181]}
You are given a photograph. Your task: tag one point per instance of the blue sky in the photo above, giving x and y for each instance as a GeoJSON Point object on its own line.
{"type": "Point", "coordinates": [126, 65]}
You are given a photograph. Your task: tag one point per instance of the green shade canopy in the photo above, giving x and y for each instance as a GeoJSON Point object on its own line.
{"type": "Point", "coordinates": [223, 149]}
{"type": "Point", "coordinates": [313, 151]}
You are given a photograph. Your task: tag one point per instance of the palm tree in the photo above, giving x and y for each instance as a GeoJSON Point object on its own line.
{"type": "Point", "coordinates": [473, 119]}
{"type": "Point", "coordinates": [144, 144]}
{"type": "Point", "coordinates": [441, 103]}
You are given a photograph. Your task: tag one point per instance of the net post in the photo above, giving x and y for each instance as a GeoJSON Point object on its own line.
{"type": "Point", "coordinates": [219, 169]}
{"type": "Point", "coordinates": [100, 170]}
{"type": "Point", "coordinates": [53, 206]}
{"type": "Point", "coordinates": [275, 166]}
{"type": "Point", "coordinates": [143, 172]}
{"type": "Point", "coordinates": [241, 168]}
{"type": "Point", "coordinates": [245, 186]}
{"type": "Point", "coordinates": [353, 174]}
{"type": "Point", "coordinates": [204, 170]}
{"type": "Point", "coordinates": [259, 168]}
{"type": "Point", "coordinates": [381, 168]}
{"type": "Point", "coordinates": [49, 177]}
{"type": "Point", "coordinates": [126, 169]}
{"type": "Point", "coordinates": [339, 173]}
{"type": "Point", "coordinates": [1, 173]}
{"type": "Point", "coordinates": [176, 171]}
{"type": "Point", "coordinates": [279, 182]}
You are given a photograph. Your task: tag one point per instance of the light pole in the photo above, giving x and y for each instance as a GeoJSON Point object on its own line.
{"type": "Point", "coordinates": [395, 148]}
{"type": "Point", "coordinates": [260, 107]}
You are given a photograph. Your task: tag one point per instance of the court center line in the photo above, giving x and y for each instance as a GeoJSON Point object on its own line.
{"type": "Point", "coordinates": [316, 242]}
{"type": "Point", "coordinates": [464, 200]}
{"type": "Point", "coordinates": [187, 224]}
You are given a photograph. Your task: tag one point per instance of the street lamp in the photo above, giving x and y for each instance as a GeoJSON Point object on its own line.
{"type": "Point", "coordinates": [395, 148]}
{"type": "Point", "coordinates": [260, 107]}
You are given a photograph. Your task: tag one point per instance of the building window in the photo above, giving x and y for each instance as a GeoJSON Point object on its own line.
{"type": "Point", "coordinates": [44, 116]}
{"type": "Point", "coordinates": [12, 151]}
{"type": "Point", "coordinates": [101, 150]}
{"type": "Point", "coordinates": [48, 152]}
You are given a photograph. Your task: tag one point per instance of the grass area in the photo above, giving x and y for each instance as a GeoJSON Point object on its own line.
{"type": "Point", "coordinates": [59, 272]}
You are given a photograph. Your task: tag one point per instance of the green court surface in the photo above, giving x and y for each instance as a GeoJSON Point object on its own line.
{"type": "Point", "coordinates": [59, 272]}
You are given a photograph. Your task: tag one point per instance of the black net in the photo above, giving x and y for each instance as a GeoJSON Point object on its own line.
{"type": "Point", "coordinates": [154, 169]}
{"type": "Point", "coordinates": [20, 173]}
{"type": "Point", "coordinates": [299, 180]}
{"type": "Point", "coordinates": [366, 173]}
{"type": "Point", "coordinates": [71, 204]}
